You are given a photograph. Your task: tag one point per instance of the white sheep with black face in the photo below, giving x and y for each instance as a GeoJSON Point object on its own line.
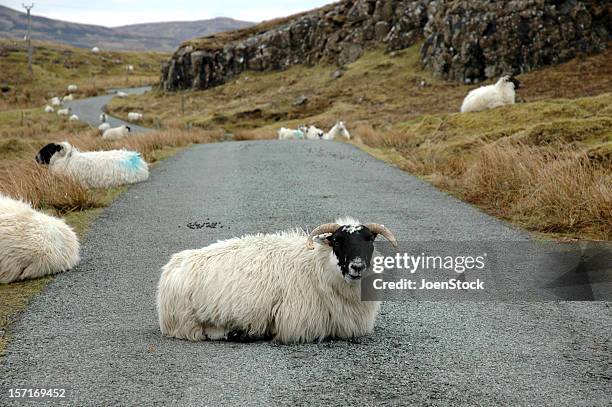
{"type": "Point", "coordinates": [491, 96]}
{"type": "Point", "coordinates": [116, 133]}
{"type": "Point", "coordinates": [33, 244]}
{"type": "Point", "coordinates": [289, 286]}
{"type": "Point", "coordinates": [95, 169]}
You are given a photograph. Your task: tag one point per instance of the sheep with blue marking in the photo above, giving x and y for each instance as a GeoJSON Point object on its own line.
{"type": "Point", "coordinates": [95, 169]}
{"type": "Point", "coordinates": [291, 134]}
{"type": "Point", "coordinates": [33, 244]}
{"type": "Point", "coordinates": [491, 96]}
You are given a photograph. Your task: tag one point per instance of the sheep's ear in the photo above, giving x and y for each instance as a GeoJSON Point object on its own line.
{"type": "Point", "coordinates": [323, 239]}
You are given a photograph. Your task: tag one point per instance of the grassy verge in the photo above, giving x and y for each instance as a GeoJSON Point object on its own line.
{"type": "Point", "coordinates": [543, 164]}
{"type": "Point", "coordinates": [55, 66]}
{"type": "Point", "coordinates": [21, 177]}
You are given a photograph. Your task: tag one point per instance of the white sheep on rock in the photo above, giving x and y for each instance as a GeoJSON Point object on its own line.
{"type": "Point", "coordinates": [491, 96]}
{"type": "Point", "coordinates": [278, 286]}
{"type": "Point", "coordinates": [33, 244]}
{"type": "Point", "coordinates": [95, 169]}
{"type": "Point", "coordinates": [116, 133]}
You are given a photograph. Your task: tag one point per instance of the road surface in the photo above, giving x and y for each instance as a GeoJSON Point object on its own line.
{"type": "Point", "coordinates": [89, 109]}
{"type": "Point", "coordinates": [94, 330]}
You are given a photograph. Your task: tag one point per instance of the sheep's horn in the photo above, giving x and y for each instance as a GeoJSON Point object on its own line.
{"type": "Point", "coordinates": [325, 228]}
{"type": "Point", "coordinates": [382, 230]}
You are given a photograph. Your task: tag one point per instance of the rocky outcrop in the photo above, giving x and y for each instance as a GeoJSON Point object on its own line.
{"type": "Point", "coordinates": [473, 40]}
{"type": "Point", "coordinates": [463, 40]}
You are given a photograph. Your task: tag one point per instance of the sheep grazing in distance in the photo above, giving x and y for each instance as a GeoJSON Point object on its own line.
{"type": "Point", "coordinates": [56, 101]}
{"type": "Point", "coordinates": [491, 96]}
{"type": "Point", "coordinates": [272, 286]}
{"type": "Point", "coordinates": [103, 127]}
{"type": "Point", "coordinates": [134, 116]}
{"type": "Point", "coordinates": [72, 88]}
{"type": "Point", "coordinates": [116, 133]}
{"type": "Point", "coordinates": [314, 133]}
{"type": "Point", "coordinates": [95, 50]}
{"type": "Point", "coordinates": [122, 94]}
{"type": "Point", "coordinates": [95, 169]}
{"type": "Point", "coordinates": [69, 97]}
{"type": "Point", "coordinates": [339, 129]}
{"type": "Point", "coordinates": [33, 244]}
{"type": "Point", "coordinates": [291, 134]}
{"type": "Point", "coordinates": [73, 118]}
{"type": "Point", "coordinates": [103, 118]}
{"type": "Point", "coordinates": [49, 109]}
{"type": "Point", "coordinates": [64, 112]}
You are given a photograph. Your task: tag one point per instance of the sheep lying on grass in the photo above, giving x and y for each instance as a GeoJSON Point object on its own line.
{"type": "Point", "coordinates": [290, 134]}
{"type": "Point", "coordinates": [74, 118]}
{"type": "Point", "coordinates": [49, 109]}
{"type": "Point", "coordinates": [491, 96]}
{"type": "Point", "coordinates": [134, 116]}
{"type": "Point", "coordinates": [33, 244]}
{"type": "Point", "coordinates": [116, 133]}
{"type": "Point", "coordinates": [103, 127]}
{"type": "Point", "coordinates": [68, 97]}
{"type": "Point", "coordinates": [96, 169]}
{"type": "Point", "coordinates": [64, 112]}
{"type": "Point", "coordinates": [56, 101]}
{"type": "Point", "coordinates": [277, 286]}
{"type": "Point", "coordinates": [72, 88]}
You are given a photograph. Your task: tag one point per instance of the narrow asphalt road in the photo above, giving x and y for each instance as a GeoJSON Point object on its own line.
{"type": "Point", "coordinates": [89, 109]}
{"type": "Point", "coordinates": [94, 330]}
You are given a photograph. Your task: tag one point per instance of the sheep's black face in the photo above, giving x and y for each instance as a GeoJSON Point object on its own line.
{"type": "Point", "coordinates": [352, 246]}
{"type": "Point", "coordinates": [45, 154]}
{"type": "Point", "coordinates": [128, 128]}
{"type": "Point", "coordinates": [515, 82]}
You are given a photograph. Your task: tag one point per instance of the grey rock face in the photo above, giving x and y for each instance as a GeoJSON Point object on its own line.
{"type": "Point", "coordinates": [464, 40]}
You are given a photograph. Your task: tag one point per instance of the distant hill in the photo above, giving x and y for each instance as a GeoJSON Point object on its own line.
{"type": "Point", "coordinates": [166, 36]}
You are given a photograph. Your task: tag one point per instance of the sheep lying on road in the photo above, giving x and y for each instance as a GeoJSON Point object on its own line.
{"type": "Point", "coordinates": [96, 169]}
{"type": "Point", "coordinates": [33, 244]}
{"type": "Point", "coordinates": [134, 116]}
{"type": "Point", "coordinates": [491, 96]}
{"type": "Point", "coordinates": [116, 133]}
{"type": "Point", "coordinates": [277, 286]}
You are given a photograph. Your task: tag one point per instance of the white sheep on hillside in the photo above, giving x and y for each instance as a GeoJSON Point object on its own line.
{"type": "Point", "coordinates": [68, 97]}
{"type": "Point", "coordinates": [33, 244]}
{"type": "Point", "coordinates": [277, 286]}
{"type": "Point", "coordinates": [49, 109]}
{"type": "Point", "coordinates": [122, 94]}
{"type": "Point", "coordinates": [314, 133]}
{"type": "Point", "coordinates": [73, 118]}
{"type": "Point", "coordinates": [291, 134]}
{"type": "Point", "coordinates": [116, 133]}
{"type": "Point", "coordinates": [134, 116]}
{"type": "Point", "coordinates": [72, 88]}
{"type": "Point", "coordinates": [491, 96]}
{"type": "Point", "coordinates": [339, 129]}
{"type": "Point", "coordinates": [96, 169]}
{"type": "Point", "coordinates": [64, 112]}
{"type": "Point", "coordinates": [95, 50]}
{"type": "Point", "coordinates": [56, 101]}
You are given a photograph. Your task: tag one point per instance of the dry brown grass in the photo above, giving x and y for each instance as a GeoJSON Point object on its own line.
{"type": "Point", "coordinates": [21, 177]}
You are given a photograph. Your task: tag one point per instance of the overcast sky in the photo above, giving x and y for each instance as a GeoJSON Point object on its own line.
{"type": "Point", "coordinates": [115, 12]}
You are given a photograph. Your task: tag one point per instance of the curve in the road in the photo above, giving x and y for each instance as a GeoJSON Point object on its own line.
{"type": "Point", "coordinates": [94, 330]}
{"type": "Point", "coordinates": [89, 109]}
